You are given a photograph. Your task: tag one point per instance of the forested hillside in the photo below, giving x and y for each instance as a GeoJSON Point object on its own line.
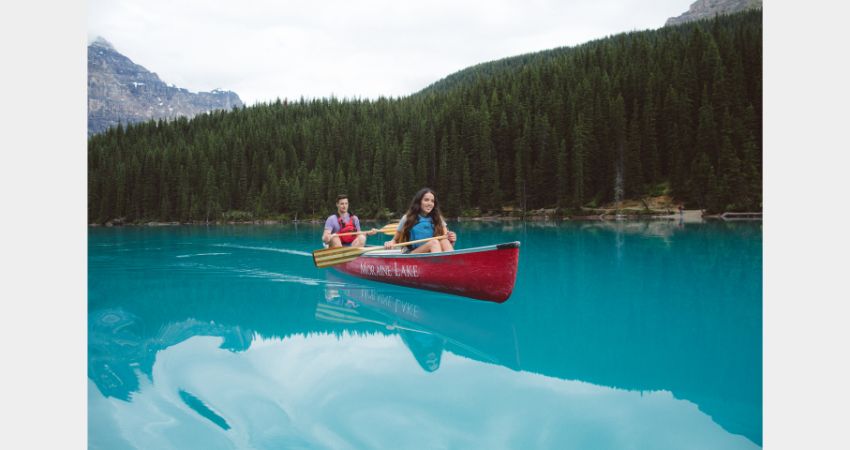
{"type": "Point", "coordinates": [678, 108]}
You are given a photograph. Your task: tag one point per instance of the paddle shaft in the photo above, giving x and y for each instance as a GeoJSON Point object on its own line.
{"type": "Point", "coordinates": [386, 229]}
{"type": "Point", "coordinates": [349, 234]}
{"type": "Point", "coordinates": [402, 244]}
{"type": "Point", "coordinates": [339, 255]}
{"type": "Point", "coordinates": [418, 241]}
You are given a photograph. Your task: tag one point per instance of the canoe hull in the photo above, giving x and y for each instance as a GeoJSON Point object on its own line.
{"type": "Point", "coordinates": [484, 273]}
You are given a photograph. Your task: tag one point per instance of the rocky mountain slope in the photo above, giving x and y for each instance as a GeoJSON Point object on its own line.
{"type": "Point", "coordinates": [707, 9]}
{"type": "Point", "coordinates": [120, 91]}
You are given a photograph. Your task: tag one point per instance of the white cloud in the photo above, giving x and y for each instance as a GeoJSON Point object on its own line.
{"type": "Point", "coordinates": [264, 49]}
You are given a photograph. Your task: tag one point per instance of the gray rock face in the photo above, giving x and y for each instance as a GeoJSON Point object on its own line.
{"type": "Point", "coordinates": [707, 9]}
{"type": "Point", "coordinates": [120, 91]}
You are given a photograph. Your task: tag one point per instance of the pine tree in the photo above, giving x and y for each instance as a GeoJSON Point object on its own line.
{"type": "Point", "coordinates": [580, 144]}
{"type": "Point", "coordinates": [701, 183]}
{"type": "Point", "coordinates": [633, 172]}
{"type": "Point", "coordinates": [649, 143]}
{"type": "Point", "coordinates": [404, 183]}
{"type": "Point", "coordinates": [212, 207]}
{"type": "Point", "coordinates": [562, 174]}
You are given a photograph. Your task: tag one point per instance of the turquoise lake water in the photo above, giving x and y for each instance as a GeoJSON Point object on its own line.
{"type": "Point", "coordinates": [638, 335]}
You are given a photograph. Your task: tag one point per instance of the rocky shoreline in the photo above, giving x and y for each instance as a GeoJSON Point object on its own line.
{"type": "Point", "coordinates": [693, 215]}
{"type": "Point", "coordinates": [659, 207]}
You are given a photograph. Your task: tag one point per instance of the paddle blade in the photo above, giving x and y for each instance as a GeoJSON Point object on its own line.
{"type": "Point", "coordinates": [334, 313]}
{"type": "Point", "coordinates": [327, 257]}
{"type": "Point", "coordinates": [389, 229]}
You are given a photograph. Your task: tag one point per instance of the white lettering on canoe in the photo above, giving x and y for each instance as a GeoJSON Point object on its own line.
{"type": "Point", "coordinates": [394, 270]}
{"type": "Point", "coordinates": [392, 304]}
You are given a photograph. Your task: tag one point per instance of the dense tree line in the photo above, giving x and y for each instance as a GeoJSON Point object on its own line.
{"type": "Point", "coordinates": [621, 117]}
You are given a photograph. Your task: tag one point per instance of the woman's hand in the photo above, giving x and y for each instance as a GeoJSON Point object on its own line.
{"type": "Point", "coordinates": [372, 232]}
{"type": "Point", "coordinates": [452, 237]}
{"type": "Point", "coordinates": [389, 244]}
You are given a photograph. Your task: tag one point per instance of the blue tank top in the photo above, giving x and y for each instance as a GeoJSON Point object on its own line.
{"type": "Point", "coordinates": [424, 228]}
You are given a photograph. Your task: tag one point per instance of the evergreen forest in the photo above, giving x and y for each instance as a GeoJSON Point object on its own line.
{"type": "Point", "coordinates": [675, 110]}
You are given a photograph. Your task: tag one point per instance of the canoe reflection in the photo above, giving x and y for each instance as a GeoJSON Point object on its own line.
{"type": "Point", "coordinates": [427, 324]}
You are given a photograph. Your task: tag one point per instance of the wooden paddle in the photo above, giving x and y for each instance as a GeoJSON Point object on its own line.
{"type": "Point", "coordinates": [388, 229]}
{"type": "Point", "coordinates": [341, 314]}
{"type": "Point", "coordinates": [327, 257]}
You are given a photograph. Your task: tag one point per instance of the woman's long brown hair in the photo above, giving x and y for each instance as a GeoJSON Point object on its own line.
{"type": "Point", "coordinates": [412, 215]}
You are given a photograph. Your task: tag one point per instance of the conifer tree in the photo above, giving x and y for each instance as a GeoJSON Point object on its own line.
{"type": "Point", "coordinates": [569, 126]}
{"type": "Point", "coordinates": [580, 146]}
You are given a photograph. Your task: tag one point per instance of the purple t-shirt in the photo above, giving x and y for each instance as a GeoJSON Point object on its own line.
{"type": "Point", "coordinates": [333, 222]}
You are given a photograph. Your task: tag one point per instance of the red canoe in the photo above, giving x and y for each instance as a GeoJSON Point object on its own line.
{"type": "Point", "coordinates": [485, 273]}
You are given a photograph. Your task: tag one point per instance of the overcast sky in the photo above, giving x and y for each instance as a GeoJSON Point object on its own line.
{"type": "Point", "coordinates": [268, 49]}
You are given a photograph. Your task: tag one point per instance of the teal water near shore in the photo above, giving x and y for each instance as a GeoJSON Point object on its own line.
{"type": "Point", "coordinates": [618, 335]}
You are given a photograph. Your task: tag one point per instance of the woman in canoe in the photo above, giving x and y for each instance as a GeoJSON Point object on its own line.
{"type": "Point", "coordinates": [423, 219]}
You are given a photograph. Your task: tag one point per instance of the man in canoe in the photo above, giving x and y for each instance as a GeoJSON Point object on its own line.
{"type": "Point", "coordinates": [423, 219]}
{"type": "Point", "coordinates": [342, 228]}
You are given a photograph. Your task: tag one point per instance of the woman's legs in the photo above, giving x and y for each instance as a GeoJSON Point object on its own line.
{"type": "Point", "coordinates": [445, 245]}
{"type": "Point", "coordinates": [428, 247]}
